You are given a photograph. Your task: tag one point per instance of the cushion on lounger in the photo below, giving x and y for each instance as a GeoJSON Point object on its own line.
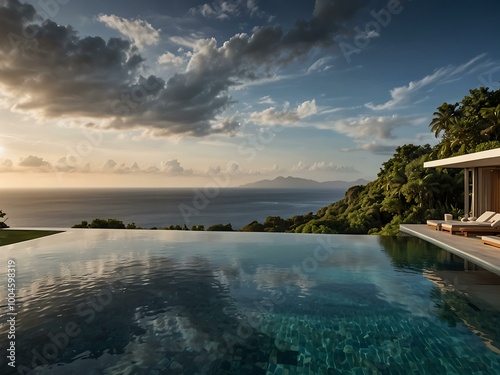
{"type": "Point", "coordinates": [493, 219]}
{"type": "Point", "coordinates": [496, 224]}
{"type": "Point", "coordinates": [485, 216]}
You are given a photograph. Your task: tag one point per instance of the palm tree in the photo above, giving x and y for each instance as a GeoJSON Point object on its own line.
{"type": "Point", "coordinates": [461, 137]}
{"type": "Point", "coordinates": [491, 118]}
{"type": "Point", "coordinates": [442, 118]}
{"type": "Point", "coordinates": [436, 187]}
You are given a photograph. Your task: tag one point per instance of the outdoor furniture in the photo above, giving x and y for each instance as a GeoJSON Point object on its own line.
{"type": "Point", "coordinates": [487, 215]}
{"type": "Point", "coordinates": [491, 240]}
{"type": "Point", "coordinates": [492, 225]}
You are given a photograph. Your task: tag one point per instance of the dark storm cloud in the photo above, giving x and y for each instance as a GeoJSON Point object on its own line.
{"type": "Point", "coordinates": [51, 70]}
{"type": "Point", "coordinates": [48, 69]}
{"type": "Point", "coordinates": [327, 23]}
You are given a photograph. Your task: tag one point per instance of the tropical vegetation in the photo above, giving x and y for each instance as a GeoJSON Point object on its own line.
{"type": "Point", "coordinates": [2, 222]}
{"type": "Point", "coordinates": [10, 236]}
{"type": "Point", "coordinates": [106, 224]}
{"type": "Point", "coordinates": [404, 191]}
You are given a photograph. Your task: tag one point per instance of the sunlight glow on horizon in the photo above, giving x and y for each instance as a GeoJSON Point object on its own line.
{"type": "Point", "coordinates": [169, 98]}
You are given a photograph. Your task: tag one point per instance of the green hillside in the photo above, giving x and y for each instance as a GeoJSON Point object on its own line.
{"type": "Point", "coordinates": [404, 191]}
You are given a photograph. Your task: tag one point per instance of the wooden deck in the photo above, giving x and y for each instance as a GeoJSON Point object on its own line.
{"type": "Point", "coordinates": [471, 249]}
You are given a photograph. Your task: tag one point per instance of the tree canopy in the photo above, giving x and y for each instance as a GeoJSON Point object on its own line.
{"type": "Point", "coordinates": [404, 191]}
{"type": "Point", "coordinates": [105, 223]}
{"type": "Point", "coordinates": [2, 222]}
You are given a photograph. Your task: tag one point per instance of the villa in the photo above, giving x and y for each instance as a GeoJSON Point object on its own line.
{"type": "Point", "coordinates": [482, 172]}
{"type": "Point", "coordinates": [482, 193]}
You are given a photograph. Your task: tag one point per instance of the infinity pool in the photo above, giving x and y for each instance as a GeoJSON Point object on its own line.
{"type": "Point", "coordinates": [166, 302]}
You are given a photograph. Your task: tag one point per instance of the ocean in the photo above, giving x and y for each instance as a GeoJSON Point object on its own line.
{"type": "Point", "coordinates": [159, 207]}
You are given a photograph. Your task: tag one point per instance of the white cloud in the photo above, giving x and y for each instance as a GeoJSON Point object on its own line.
{"type": "Point", "coordinates": [401, 95]}
{"type": "Point", "coordinates": [330, 166]}
{"type": "Point", "coordinates": [205, 10]}
{"type": "Point", "coordinates": [371, 34]}
{"type": "Point", "coordinates": [188, 103]}
{"type": "Point", "coordinates": [170, 167]}
{"type": "Point", "coordinates": [123, 168]}
{"type": "Point", "coordinates": [33, 161]}
{"type": "Point", "coordinates": [266, 100]}
{"type": "Point", "coordinates": [288, 116]}
{"type": "Point", "coordinates": [322, 166]}
{"type": "Point", "coordinates": [320, 65]}
{"type": "Point", "coordinates": [173, 167]}
{"type": "Point", "coordinates": [139, 31]}
{"type": "Point", "coordinates": [171, 60]}
{"type": "Point", "coordinates": [272, 171]}
{"type": "Point", "coordinates": [380, 127]}
{"type": "Point", "coordinates": [234, 169]}
{"type": "Point", "coordinates": [226, 125]}
{"type": "Point", "coordinates": [222, 10]}
{"type": "Point", "coordinates": [73, 165]}
{"type": "Point", "coordinates": [374, 147]}
{"type": "Point", "coordinates": [186, 41]}
{"type": "Point", "coordinates": [338, 109]}
{"type": "Point", "coordinates": [28, 164]}
{"type": "Point", "coordinates": [307, 109]}
{"type": "Point", "coordinates": [300, 166]}
{"type": "Point", "coordinates": [269, 78]}
{"type": "Point", "coordinates": [109, 165]}
{"type": "Point", "coordinates": [252, 6]}
{"type": "Point", "coordinates": [228, 9]}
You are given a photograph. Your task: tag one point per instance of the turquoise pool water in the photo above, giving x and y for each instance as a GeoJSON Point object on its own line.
{"type": "Point", "coordinates": [164, 302]}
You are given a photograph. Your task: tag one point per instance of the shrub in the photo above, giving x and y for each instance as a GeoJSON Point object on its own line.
{"type": "Point", "coordinates": [221, 228]}
{"type": "Point", "coordinates": [2, 223]}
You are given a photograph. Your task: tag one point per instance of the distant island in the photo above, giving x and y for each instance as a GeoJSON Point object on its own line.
{"type": "Point", "coordinates": [302, 183]}
{"type": "Point", "coordinates": [404, 192]}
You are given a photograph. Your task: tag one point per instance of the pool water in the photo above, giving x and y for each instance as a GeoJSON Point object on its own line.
{"type": "Point", "coordinates": [167, 302]}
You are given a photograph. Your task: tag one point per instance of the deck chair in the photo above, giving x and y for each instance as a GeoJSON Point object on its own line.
{"type": "Point", "coordinates": [492, 225]}
{"type": "Point", "coordinates": [491, 240]}
{"type": "Point", "coordinates": [487, 215]}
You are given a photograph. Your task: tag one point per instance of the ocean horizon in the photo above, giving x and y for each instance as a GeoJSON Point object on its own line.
{"type": "Point", "coordinates": [158, 207]}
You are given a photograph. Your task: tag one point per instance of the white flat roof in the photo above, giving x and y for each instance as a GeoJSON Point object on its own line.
{"type": "Point", "coordinates": [490, 158]}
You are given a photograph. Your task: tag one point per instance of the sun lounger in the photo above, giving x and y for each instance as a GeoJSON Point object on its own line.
{"type": "Point", "coordinates": [490, 226]}
{"type": "Point", "coordinates": [491, 240]}
{"type": "Point", "coordinates": [436, 224]}
{"type": "Point", "coordinates": [487, 215]}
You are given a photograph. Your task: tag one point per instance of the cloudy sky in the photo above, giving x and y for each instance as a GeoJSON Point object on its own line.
{"type": "Point", "coordinates": [193, 93]}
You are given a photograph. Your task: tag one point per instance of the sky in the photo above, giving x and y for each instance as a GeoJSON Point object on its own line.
{"type": "Point", "coordinates": [180, 93]}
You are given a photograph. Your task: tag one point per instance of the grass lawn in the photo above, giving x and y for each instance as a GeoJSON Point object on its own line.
{"type": "Point", "coordinates": [8, 236]}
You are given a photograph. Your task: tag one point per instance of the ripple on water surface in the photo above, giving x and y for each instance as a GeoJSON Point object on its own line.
{"type": "Point", "coordinates": [142, 302]}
